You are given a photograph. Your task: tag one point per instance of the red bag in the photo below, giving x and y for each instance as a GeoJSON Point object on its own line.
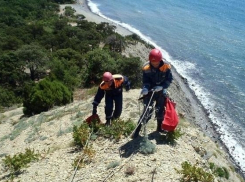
{"type": "Point", "coordinates": [171, 119]}
{"type": "Point", "coordinates": [92, 118]}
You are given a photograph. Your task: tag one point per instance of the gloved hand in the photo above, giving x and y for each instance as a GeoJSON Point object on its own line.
{"type": "Point", "coordinates": [94, 109]}
{"type": "Point", "coordinates": [127, 87]}
{"type": "Point", "coordinates": [157, 88]}
{"type": "Point", "coordinates": [144, 91]}
{"type": "Point", "coordinates": [165, 92]}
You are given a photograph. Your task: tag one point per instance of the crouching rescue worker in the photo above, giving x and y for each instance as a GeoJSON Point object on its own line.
{"type": "Point", "coordinates": [157, 76]}
{"type": "Point", "coordinates": [112, 87]}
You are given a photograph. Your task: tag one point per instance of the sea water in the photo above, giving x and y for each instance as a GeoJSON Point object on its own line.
{"type": "Point", "coordinates": [205, 41]}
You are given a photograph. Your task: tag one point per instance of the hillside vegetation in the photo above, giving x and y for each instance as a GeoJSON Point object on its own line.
{"type": "Point", "coordinates": [49, 72]}
{"type": "Point", "coordinates": [39, 44]}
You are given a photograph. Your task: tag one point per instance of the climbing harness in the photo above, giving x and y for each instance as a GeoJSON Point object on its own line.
{"type": "Point", "coordinates": [147, 113]}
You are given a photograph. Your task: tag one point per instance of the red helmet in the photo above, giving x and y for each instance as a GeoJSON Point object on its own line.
{"type": "Point", "coordinates": [155, 55]}
{"type": "Point", "coordinates": [107, 76]}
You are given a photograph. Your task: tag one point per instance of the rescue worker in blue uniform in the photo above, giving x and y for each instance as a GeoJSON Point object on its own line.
{"type": "Point", "coordinates": [157, 76]}
{"type": "Point", "coordinates": [112, 88]}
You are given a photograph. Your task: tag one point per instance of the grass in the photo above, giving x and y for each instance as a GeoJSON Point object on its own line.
{"type": "Point", "coordinates": [19, 161]}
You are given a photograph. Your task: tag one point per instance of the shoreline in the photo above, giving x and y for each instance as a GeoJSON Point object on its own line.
{"type": "Point", "coordinates": [82, 7]}
{"type": "Point", "coordinates": [195, 111]}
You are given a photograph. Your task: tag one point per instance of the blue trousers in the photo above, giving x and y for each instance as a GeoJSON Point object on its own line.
{"type": "Point", "coordinates": [110, 100]}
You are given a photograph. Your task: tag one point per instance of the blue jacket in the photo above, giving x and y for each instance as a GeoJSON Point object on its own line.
{"type": "Point", "coordinates": [161, 76]}
{"type": "Point", "coordinates": [115, 89]}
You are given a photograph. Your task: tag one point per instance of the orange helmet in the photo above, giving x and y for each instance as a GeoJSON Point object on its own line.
{"type": "Point", "coordinates": [155, 55]}
{"type": "Point", "coordinates": [107, 76]}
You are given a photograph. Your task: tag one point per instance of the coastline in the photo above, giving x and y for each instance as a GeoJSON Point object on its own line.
{"type": "Point", "coordinates": [186, 100]}
{"type": "Point", "coordinates": [82, 7]}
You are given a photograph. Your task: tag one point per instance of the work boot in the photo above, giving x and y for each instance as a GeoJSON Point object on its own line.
{"type": "Point", "coordinates": [159, 126]}
{"type": "Point", "coordinates": [108, 122]}
{"type": "Point", "coordinates": [137, 132]}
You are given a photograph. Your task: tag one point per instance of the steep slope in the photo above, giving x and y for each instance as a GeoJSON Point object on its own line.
{"type": "Point", "coordinates": [50, 133]}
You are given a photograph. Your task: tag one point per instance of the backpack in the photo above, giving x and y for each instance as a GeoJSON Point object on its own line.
{"type": "Point", "coordinates": [170, 120]}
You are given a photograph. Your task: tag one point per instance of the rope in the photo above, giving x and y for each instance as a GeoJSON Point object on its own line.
{"type": "Point", "coordinates": [80, 159]}
{"type": "Point", "coordinates": [140, 121]}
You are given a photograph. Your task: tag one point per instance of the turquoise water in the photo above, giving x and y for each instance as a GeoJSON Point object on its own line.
{"type": "Point", "coordinates": [205, 42]}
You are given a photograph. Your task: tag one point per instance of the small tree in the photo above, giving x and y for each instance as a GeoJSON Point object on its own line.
{"type": "Point", "coordinates": [45, 95]}
{"type": "Point", "coordinates": [97, 62]}
{"type": "Point", "coordinates": [34, 57]}
{"type": "Point", "coordinates": [69, 11]}
{"type": "Point", "coordinates": [131, 67]}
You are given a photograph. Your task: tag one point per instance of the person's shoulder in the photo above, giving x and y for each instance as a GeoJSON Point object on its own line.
{"type": "Point", "coordinates": [165, 66]}
{"type": "Point", "coordinates": [146, 66]}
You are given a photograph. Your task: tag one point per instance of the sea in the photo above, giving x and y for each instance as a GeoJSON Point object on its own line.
{"type": "Point", "coordinates": [205, 41]}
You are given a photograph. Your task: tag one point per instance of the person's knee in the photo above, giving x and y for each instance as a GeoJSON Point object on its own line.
{"type": "Point", "coordinates": [108, 109]}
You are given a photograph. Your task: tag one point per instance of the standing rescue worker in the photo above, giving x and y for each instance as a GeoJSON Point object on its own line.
{"type": "Point", "coordinates": [157, 76]}
{"type": "Point", "coordinates": [112, 88]}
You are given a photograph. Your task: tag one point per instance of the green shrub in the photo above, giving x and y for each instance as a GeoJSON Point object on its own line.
{"type": "Point", "coordinates": [125, 66]}
{"type": "Point", "coordinates": [219, 171]}
{"type": "Point", "coordinates": [44, 95]}
{"type": "Point", "coordinates": [7, 97]}
{"type": "Point", "coordinates": [81, 134]}
{"type": "Point", "coordinates": [118, 129]}
{"type": "Point", "coordinates": [171, 137]}
{"type": "Point", "coordinates": [18, 161]}
{"type": "Point", "coordinates": [194, 173]}
{"type": "Point", "coordinates": [97, 62]}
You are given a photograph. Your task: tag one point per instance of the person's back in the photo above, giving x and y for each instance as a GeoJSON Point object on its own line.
{"type": "Point", "coordinates": [112, 88]}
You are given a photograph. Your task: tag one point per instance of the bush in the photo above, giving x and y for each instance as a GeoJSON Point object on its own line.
{"type": "Point", "coordinates": [219, 171]}
{"type": "Point", "coordinates": [44, 95]}
{"type": "Point", "coordinates": [97, 62]}
{"type": "Point", "coordinates": [125, 66]}
{"type": "Point", "coordinates": [194, 173]}
{"type": "Point", "coordinates": [147, 147]}
{"type": "Point", "coordinates": [18, 161]}
{"type": "Point", "coordinates": [7, 97]}
{"type": "Point", "coordinates": [172, 136]}
{"type": "Point", "coordinates": [118, 129]}
{"type": "Point", "coordinates": [81, 134]}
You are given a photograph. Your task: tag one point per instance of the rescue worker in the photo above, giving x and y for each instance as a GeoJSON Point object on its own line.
{"type": "Point", "coordinates": [157, 76]}
{"type": "Point", "coordinates": [112, 87]}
